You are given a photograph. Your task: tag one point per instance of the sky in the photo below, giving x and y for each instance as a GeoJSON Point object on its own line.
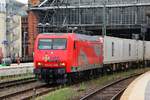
{"type": "Point", "coordinates": [23, 1]}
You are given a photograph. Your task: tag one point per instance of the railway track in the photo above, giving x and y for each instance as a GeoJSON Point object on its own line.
{"type": "Point", "coordinates": [36, 92]}
{"type": "Point", "coordinates": [118, 96]}
{"type": "Point", "coordinates": [30, 89]}
{"type": "Point", "coordinates": [112, 91]}
{"type": "Point", "coordinates": [23, 89]}
{"type": "Point", "coordinates": [12, 83]}
{"type": "Point", "coordinates": [27, 93]}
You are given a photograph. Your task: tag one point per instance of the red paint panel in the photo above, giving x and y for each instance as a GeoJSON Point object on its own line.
{"type": "Point", "coordinates": [87, 53]}
{"type": "Point", "coordinates": [78, 52]}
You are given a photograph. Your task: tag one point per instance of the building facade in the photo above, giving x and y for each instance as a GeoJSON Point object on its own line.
{"type": "Point", "coordinates": [10, 29]}
{"type": "Point", "coordinates": [90, 13]}
{"type": "Point", "coordinates": [122, 18]}
{"type": "Point", "coordinates": [2, 34]}
{"type": "Point", "coordinates": [2, 27]}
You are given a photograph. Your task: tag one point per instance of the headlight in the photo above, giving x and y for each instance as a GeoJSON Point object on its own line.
{"type": "Point", "coordinates": [62, 64]}
{"type": "Point", "coordinates": [39, 64]}
{"type": "Point", "coordinates": [46, 58]}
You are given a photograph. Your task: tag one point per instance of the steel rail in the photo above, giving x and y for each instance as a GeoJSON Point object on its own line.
{"type": "Point", "coordinates": [103, 89]}
{"type": "Point", "coordinates": [11, 83]}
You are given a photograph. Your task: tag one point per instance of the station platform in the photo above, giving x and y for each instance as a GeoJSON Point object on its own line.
{"type": "Point", "coordinates": [139, 89]}
{"type": "Point", "coordinates": [15, 69]}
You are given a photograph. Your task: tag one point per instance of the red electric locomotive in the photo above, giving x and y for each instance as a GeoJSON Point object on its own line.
{"type": "Point", "coordinates": [59, 55]}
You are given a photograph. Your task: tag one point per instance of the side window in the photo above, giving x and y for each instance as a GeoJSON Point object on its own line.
{"type": "Point", "coordinates": [129, 49]}
{"type": "Point", "coordinates": [112, 49]}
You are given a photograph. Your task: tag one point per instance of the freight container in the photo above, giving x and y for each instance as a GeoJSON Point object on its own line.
{"type": "Point", "coordinates": [140, 50]}
{"type": "Point", "coordinates": [117, 50]}
{"type": "Point", "coordinates": [147, 50]}
{"type": "Point", "coordinates": [111, 52]}
{"type": "Point", "coordinates": [130, 50]}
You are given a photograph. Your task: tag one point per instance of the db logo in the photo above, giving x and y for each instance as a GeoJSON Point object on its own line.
{"type": "Point", "coordinates": [52, 52]}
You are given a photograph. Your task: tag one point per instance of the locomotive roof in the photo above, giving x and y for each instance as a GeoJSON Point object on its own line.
{"type": "Point", "coordinates": [87, 37]}
{"type": "Point", "coordinates": [78, 36]}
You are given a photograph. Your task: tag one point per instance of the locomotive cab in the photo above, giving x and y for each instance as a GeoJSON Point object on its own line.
{"type": "Point", "coordinates": [59, 56]}
{"type": "Point", "coordinates": [51, 56]}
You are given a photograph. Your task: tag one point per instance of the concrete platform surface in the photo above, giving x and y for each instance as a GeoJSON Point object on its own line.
{"type": "Point", "coordinates": [139, 89]}
{"type": "Point", "coordinates": [15, 69]}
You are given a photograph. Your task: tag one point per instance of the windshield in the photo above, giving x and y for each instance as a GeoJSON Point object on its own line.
{"type": "Point", "coordinates": [52, 44]}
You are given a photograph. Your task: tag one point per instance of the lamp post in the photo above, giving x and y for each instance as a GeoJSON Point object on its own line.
{"type": "Point", "coordinates": [24, 44]}
{"type": "Point", "coordinates": [146, 26]}
{"type": "Point", "coordinates": [104, 18]}
{"type": "Point", "coordinates": [143, 31]}
{"type": "Point", "coordinates": [136, 37]}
